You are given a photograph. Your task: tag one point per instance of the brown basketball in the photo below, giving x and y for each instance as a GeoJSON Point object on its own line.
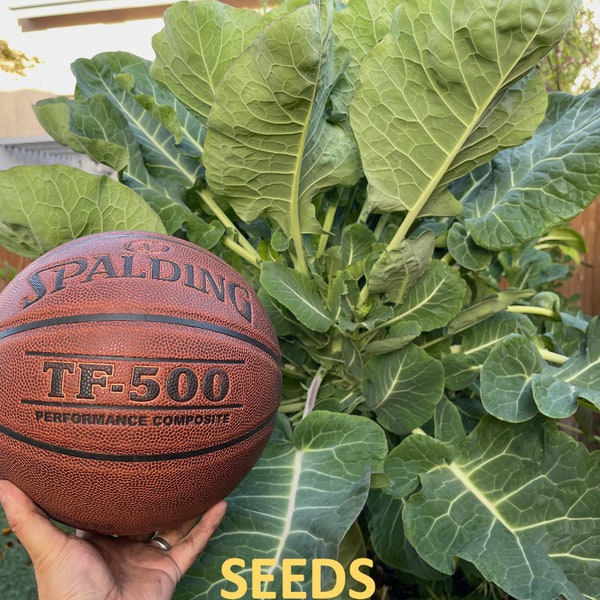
{"type": "Point", "coordinates": [139, 381]}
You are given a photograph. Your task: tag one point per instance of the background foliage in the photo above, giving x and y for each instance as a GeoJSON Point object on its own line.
{"type": "Point", "coordinates": [14, 61]}
{"type": "Point", "coordinates": [394, 179]}
{"type": "Point", "coordinates": [572, 66]}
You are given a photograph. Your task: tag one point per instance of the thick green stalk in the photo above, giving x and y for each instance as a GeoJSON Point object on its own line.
{"type": "Point", "coordinates": [238, 243]}
{"type": "Point", "coordinates": [553, 357]}
{"type": "Point", "coordinates": [327, 225]}
{"type": "Point", "coordinates": [532, 310]}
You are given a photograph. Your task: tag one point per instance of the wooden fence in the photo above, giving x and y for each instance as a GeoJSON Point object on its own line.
{"type": "Point", "coordinates": [10, 262]}
{"type": "Point", "coordinates": [586, 279]}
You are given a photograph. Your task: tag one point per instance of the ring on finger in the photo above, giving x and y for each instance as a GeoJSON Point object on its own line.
{"type": "Point", "coordinates": [160, 542]}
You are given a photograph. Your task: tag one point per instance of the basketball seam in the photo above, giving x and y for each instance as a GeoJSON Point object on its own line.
{"type": "Point", "coordinates": [137, 458]}
{"type": "Point", "coordinates": [142, 317]}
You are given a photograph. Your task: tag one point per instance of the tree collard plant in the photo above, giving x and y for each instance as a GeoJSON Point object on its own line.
{"type": "Point", "coordinates": [394, 179]}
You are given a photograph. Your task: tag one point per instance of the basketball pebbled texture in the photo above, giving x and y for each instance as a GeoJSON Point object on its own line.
{"type": "Point", "coordinates": [139, 381]}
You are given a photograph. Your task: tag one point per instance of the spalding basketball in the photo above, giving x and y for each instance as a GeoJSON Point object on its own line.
{"type": "Point", "coordinates": [139, 381]}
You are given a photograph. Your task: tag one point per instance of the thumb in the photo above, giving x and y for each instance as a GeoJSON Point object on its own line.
{"type": "Point", "coordinates": [29, 523]}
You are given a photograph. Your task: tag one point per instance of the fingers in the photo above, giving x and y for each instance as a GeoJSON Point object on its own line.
{"type": "Point", "coordinates": [42, 539]}
{"type": "Point", "coordinates": [187, 550]}
{"type": "Point", "coordinates": [168, 539]}
{"type": "Point", "coordinates": [30, 524]}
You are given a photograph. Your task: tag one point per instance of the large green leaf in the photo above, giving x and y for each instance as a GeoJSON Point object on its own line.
{"type": "Point", "coordinates": [506, 379]}
{"type": "Point", "coordinates": [188, 130]}
{"type": "Point", "coordinates": [464, 364]}
{"type": "Point", "coordinates": [361, 24]}
{"type": "Point", "coordinates": [298, 502]}
{"type": "Point", "coordinates": [522, 503]}
{"type": "Point", "coordinates": [358, 27]}
{"type": "Point", "coordinates": [298, 293]}
{"type": "Point", "coordinates": [198, 43]}
{"type": "Point", "coordinates": [270, 149]}
{"type": "Point", "coordinates": [42, 207]}
{"type": "Point", "coordinates": [92, 126]}
{"type": "Point", "coordinates": [440, 94]}
{"type": "Point", "coordinates": [417, 454]}
{"type": "Point", "coordinates": [103, 125]}
{"type": "Point", "coordinates": [436, 297]}
{"type": "Point", "coordinates": [388, 537]}
{"type": "Point", "coordinates": [157, 141]}
{"type": "Point", "coordinates": [95, 127]}
{"type": "Point", "coordinates": [525, 191]}
{"type": "Point", "coordinates": [403, 466]}
{"type": "Point", "coordinates": [557, 390]}
{"type": "Point", "coordinates": [402, 388]}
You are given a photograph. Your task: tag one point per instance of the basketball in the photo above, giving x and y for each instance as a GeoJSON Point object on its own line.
{"type": "Point", "coordinates": [139, 381]}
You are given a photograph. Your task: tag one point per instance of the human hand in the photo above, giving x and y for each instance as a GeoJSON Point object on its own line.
{"type": "Point", "coordinates": [96, 567]}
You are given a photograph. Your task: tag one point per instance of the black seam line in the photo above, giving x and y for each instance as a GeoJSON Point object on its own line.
{"type": "Point", "coordinates": [128, 407]}
{"type": "Point", "coordinates": [137, 458]}
{"type": "Point", "coordinates": [159, 359]}
{"type": "Point", "coordinates": [142, 317]}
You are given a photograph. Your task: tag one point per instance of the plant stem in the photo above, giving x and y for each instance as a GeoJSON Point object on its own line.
{"type": "Point", "coordinates": [363, 296]}
{"type": "Point", "coordinates": [298, 256]}
{"type": "Point", "coordinates": [239, 244]}
{"type": "Point", "coordinates": [292, 408]}
{"type": "Point", "coordinates": [532, 310]}
{"type": "Point", "coordinates": [313, 390]}
{"type": "Point", "coordinates": [327, 225]}
{"type": "Point", "coordinates": [381, 224]}
{"type": "Point", "coordinates": [553, 357]}
{"type": "Point", "coordinates": [251, 257]}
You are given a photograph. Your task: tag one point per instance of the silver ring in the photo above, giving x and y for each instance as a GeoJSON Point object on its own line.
{"type": "Point", "coordinates": [161, 543]}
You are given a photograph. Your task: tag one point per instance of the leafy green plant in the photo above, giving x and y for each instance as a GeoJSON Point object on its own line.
{"type": "Point", "coordinates": [394, 179]}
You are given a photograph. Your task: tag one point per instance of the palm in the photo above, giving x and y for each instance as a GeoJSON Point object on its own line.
{"type": "Point", "coordinates": [95, 567]}
{"type": "Point", "coordinates": [116, 570]}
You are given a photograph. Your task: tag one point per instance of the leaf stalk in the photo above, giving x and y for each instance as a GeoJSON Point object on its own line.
{"type": "Point", "coordinates": [532, 310]}
{"type": "Point", "coordinates": [553, 357]}
{"type": "Point", "coordinates": [327, 226]}
{"type": "Point", "coordinates": [240, 245]}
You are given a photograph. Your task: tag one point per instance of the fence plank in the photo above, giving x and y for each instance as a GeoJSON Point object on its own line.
{"type": "Point", "coordinates": [586, 278]}
{"type": "Point", "coordinates": [10, 261]}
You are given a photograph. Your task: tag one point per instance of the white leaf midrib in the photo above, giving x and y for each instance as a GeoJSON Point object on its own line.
{"type": "Point", "coordinates": [289, 515]}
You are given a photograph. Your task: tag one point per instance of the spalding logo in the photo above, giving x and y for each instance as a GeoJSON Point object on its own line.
{"type": "Point", "coordinates": [142, 265]}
